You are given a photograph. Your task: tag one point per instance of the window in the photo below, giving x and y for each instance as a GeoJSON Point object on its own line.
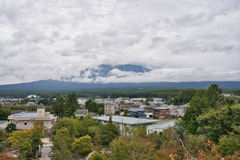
{"type": "Point", "coordinates": [52, 121]}
{"type": "Point", "coordinates": [25, 123]}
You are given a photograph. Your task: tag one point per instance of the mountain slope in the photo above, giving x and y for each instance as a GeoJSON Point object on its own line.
{"type": "Point", "coordinates": [47, 85]}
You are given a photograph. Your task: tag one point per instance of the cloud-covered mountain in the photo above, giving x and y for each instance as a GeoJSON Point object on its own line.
{"type": "Point", "coordinates": [106, 70]}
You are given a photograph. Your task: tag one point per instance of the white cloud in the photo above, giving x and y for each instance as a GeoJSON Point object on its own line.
{"type": "Point", "coordinates": [179, 40]}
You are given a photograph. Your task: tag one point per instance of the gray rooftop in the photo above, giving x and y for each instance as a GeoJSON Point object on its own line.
{"type": "Point", "coordinates": [164, 124]}
{"type": "Point", "coordinates": [41, 106]}
{"type": "Point", "coordinates": [3, 121]}
{"type": "Point", "coordinates": [25, 114]}
{"type": "Point", "coordinates": [161, 108]}
{"type": "Point", "coordinates": [136, 109]}
{"type": "Point", "coordinates": [127, 120]}
{"type": "Point", "coordinates": [81, 111]}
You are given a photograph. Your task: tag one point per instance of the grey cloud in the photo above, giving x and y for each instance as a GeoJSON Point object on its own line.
{"type": "Point", "coordinates": [53, 39]}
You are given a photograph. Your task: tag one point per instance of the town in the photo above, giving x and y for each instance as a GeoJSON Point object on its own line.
{"type": "Point", "coordinates": [99, 122]}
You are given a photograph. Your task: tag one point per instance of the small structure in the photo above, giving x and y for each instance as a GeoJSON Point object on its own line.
{"type": "Point", "coordinates": [3, 124]}
{"type": "Point", "coordinates": [137, 113]}
{"type": "Point", "coordinates": [81, 113]}
{"type": "Point", "coordinates": [162, 112]}
{"type": "Point", "coordinates": [110, 108]}
{"type": "Point", "coordinates": [159, 127]}
{"type": "Point", "coordinates": [127, 124]}
{"type": "Point", "coordinates": [26, 120]}
{"type": "Point", "coordinates": [32, 96]}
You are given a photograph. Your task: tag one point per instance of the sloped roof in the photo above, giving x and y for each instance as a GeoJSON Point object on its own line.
{"type": "Point", "coordinates": [41, 106]}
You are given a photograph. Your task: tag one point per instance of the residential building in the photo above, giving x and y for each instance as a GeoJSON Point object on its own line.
{"type": "Point", "coordinates": [81, 113]}
{"type": "Point", "coordinates": [159, 127]}
{"type": "Point", "coordinates": [130, 106]}
{"type": "Point", "coordinates": [137, 113]}
{"type": "Point", "coordinates": [162, 112]}
{"type": "Point", "coordinates": [127, 124]}
{"type": "Point", "coordinates": [111, 108]}
{"type": "Point", "coordinates": [26, 120]}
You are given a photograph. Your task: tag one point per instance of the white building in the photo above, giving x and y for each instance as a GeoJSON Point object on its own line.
{"type": "Point", "coordinates": [111, 108]}
{"type": "Point", "coordinates": [127, 124]}
{"type": "Point", "coordinates": [26, 120]}
{"type": "Point", "coordinates": [159, 127]}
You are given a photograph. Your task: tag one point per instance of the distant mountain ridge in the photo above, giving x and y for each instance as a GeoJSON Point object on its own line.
{"type": "Point", "coordinates": [48, 85]}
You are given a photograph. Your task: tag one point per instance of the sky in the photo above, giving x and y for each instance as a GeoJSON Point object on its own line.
{"type": "Point", "coordinates": [177, 40]}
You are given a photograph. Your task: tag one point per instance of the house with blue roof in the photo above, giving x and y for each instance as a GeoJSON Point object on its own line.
{"type": "Point", "coordinates": [137, 113]}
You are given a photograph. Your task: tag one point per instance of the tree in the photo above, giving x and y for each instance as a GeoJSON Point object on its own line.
{"type": "Point", "coordinates": [130, 147]}
{"type": "Point", "coordinates": [4, 114]}
{"type": "Point", "coordinates": [96, 156]}
{"type": "Point", "coordinates": [27, 141]}
{"type": "Point", "coordinates": [44, 101]}
{"type": "Point", "coordinates": [171, 144]}
{"type": "Point", "coordinates": [230, 143]}
{"type": "Point", "coordinates": [67, 123]}
{"type": "Point", "coordinates": [201, 102]}
{"type": "Point", "coordinates": [126, 112]}
{"type": "Point", "coordinates": [85, 126]}
{"type": "Point", "coordinates": [213, 94]}
{"type": "Point", "coordinates": [108, 133]}
{"type": "Point", "coordinates": [92, 106]}
{"type": "Point", "coordinates": [58, 106]}
{"type": "Point", "coordinates": [71, 105]}
{"type": "Point", "coordinates": [10, 128]}
{"type": "Point", "coordinates": [62, 144]}
{"type": "Point", "coordinates": [110, 119]}
{"type": "Point", "coordinates": [22, 140]}
{"type": "Point", "coordinates": [83, 145]}
{"type": "Point", "coordinates": [216, 123]}
{"type": "Point", "coordinates": [140, 132]}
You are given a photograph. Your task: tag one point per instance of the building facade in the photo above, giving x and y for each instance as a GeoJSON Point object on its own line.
{"type": "Point", "coordinates": [137, 113]}
{"type": "Point", "coordinates": [111, 108]}
{"type": "Point", "coordinates": [127, 124]}
{"type": "Point", "coordinates": [26, 120]}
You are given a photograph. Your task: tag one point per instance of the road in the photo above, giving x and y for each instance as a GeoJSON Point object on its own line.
{"type": "Point", "coordinates": [46, 149]}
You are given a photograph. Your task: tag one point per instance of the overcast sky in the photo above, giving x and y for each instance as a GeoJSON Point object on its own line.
{"type": "Point", "coordinates": [179, 40]}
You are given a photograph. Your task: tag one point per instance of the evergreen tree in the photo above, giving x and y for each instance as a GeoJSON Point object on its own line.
{"type": "Point", "coordinates": [58, 106]}
{"type": "Point", "coordinates": [71, 105]}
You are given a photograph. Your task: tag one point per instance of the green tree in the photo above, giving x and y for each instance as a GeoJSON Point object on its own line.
{"type": "Point", "coordinates": [213, 94]}
{"type": "Point", "coordinates": [71, 105]}
{"type": "Point", "coordinates": [130, 147]}
{"type": "Point", "coordinates": [83, 145]}
{"type": "Point", "coordinates": [45, 101]}
{"type": "Point", "coordinates": [230, 143]}
{"type": "Point", "coordinates": [58, 106]}
{"type": "Point", "coordinates": [67, 123]}
{"type": "Point", "coordinates": [4, 114]}
{"type": "Point", "coordinates": [201, 102]}
{"type": "Point", "coordinates": [27, 141]}
{"type": "Point", "coordinates": [100, 111]}
{"type": "Point", "coordinates": [10, 128]}
{"type": "Point", "coordinates": [62, 144]}
{"type": "Point", "coordinates": [140, 132]}
{"type": "Point", "coordinates": [96, 156]}
{"type": "Point", "coordinates": [85, 126]}
{"type": "Point", "coordinates": [216, 123]}
{"type": "Point", "coordinates": [91, 106]}
{"type": "Point", "coordinates": [109, 132]}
